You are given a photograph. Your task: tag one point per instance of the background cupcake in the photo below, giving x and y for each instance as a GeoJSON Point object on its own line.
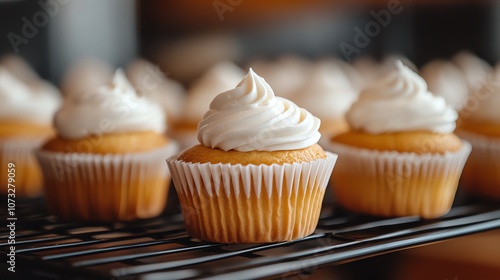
{"type": "Point", "coordinates": [107, 161]}
{"type": "Point", "coordinates": [481, 127]}
{"type": "Point", "coordinates": [25, 122]}
{"type": "Point", "coordinates": [258, 174]}
{"type": "Point", "coordinates": [401, 157]}
{"type": "Point", "coordinates": [85, 75]}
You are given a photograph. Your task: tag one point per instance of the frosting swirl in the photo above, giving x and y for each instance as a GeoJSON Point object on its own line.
{"type": "Point", "coordinates": [31, 103]}
{"type": "Point", "coordinates": [400, 101]}
{"type": "Point", "coordinates": [251, 118]}
{"type": "Point", "coordinates": [114, 108]}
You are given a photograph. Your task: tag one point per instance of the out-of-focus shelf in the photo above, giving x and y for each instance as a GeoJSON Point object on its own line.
{"type": "Point", "coordinates": [159, 248]}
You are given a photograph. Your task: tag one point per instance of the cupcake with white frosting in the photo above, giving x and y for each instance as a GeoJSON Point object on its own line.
{"type": "Point", "coordinates": [401, 157]}
{"type": "Point", "coordinates": [221, 77]}
{"type": "Point", "coordinates": [328, 94]}
{"type": "Point", "coordinates": [26, 115]}
{"type": "Point", "coordinates": [258, 156]}
{"type": "Point", "coordinates": [481, 127]}
{"type": "Point", "coordinates": [445, 79]}
{"type": "Point", "coordinates": [110, 148]}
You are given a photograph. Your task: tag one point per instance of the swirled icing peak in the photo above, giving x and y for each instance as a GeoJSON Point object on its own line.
{"type": "Point", "coordinates": [251, 118]}
{"type": "Point", "coordinates": [400, 101]}
{"type": "Point", "coordinates": [114, 108]}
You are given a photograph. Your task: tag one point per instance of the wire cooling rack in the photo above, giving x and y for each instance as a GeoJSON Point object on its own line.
{"type": "Point", "coordinates": [159, 248]}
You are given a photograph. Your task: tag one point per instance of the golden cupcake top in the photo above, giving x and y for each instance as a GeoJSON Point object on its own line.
{"type": "Point", "coordinates": [251, 118]}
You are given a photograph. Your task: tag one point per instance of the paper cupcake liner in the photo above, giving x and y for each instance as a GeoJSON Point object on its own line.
{"type": "Point", "coordinates": [112, 187]}
{"type": "Point", "coordinates": [481, 173]}
{"type": "Point", "coordinates": [28, 176]}
{"type": "Point", "coordinates": [251, 203]}
{"type": "Point", "coordinates": [388, 183]}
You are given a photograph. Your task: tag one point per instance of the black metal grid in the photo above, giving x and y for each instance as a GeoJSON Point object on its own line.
{"type": "Point", "coordinates": [160, 249]}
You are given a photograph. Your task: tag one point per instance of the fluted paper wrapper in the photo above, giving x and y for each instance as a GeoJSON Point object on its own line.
{"type": "Point", "coordinates": [111, 187]}
{"type": "Point", "coordinates": [481, 173]}
{"type": "Point", "coordinates": [28, 176]}
{"type": "Point", "coordinates": [251, 203]}
{"type": "Point", "coordinates": [389, 183]}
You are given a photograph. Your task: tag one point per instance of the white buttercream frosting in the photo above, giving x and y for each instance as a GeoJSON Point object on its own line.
{"type": "Point", "coordinates": [400, 101]}
{"type": "Point", "coordinates": [251, 118]}
{"type": "Point", "coordinates": [328, 93]}
{"type": "Point", "coordinates": [23, 102]}
{"type": "Point", "coordinates": [474, 69]}
{"type": "Point", "coordinates": [221, 77]}
{"type": "Point", "coordinates": [150, 81]}
{"type": "Point", "coordinates": [487, 109]}
{"type": "Point", "coordinates": [113, 108]}
{"type": "Point", "coordinates": [445, 79]}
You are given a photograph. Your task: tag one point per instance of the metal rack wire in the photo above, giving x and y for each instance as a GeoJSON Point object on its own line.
{"type": "Point", "coordinates": [160, 249]}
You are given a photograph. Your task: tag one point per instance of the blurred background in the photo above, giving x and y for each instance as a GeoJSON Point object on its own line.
{"type": "Point", "coordinates": [185, 38]}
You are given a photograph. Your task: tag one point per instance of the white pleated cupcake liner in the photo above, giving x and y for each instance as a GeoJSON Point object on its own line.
{"type": "Point", "coordinates": [251, 203]}
{"type": "Point", "coordinates": [28, 176]}
{"type": "Point", "coordinates": [481, 173]}
{"type": "Point", "coordinates": [389, 183]}
{"type": "Point", "coordinates": [111, 187]}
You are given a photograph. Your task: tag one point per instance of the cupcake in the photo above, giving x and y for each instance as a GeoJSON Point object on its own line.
{"type": "Point", "coordinates": [328, 94]}
{"type": "Point", "coordinates": [148, 80]}
{"type": "Point", "coordinates": [223, 76]}
{"type": "Point", "coordinates": [445, 79]}
{"type": "Point", "coordinates": [25, 122]}
{"type": "Point", "coordinates": [481, 128]}
{"type": "Point", "coordinates": [258, 174]}
{"type": "Point", "coordinates": [401, 157]}
{"type": "Point", "coordinates": [109, 148]}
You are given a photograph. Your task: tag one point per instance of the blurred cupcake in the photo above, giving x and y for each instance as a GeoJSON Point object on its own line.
{"type": "Point", "coordinates": [401, 157]}
{"type": "Point", "coordinates": [258, 174]}
{"type": "Point", "coordinates": [481, 128]}
{"type": "Point", "coordinates": [445, 79]}
{"type": "Point", "coordinates": [148, 80]}
{"type": "Point", "coordinates": [328, 94]}
{"type": "Point", "coordinates": [110, 148]}
{"type": "Point", "coordinates": [285, 75]}
{"type": "Point", "coordinates": [84, 76]}
{"type": "Point", "coordinates": [25, 122]}
{"type": "Point", "coordinates": [473, 68]}
{"type": "Point", "coordinates": [223, 76]}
